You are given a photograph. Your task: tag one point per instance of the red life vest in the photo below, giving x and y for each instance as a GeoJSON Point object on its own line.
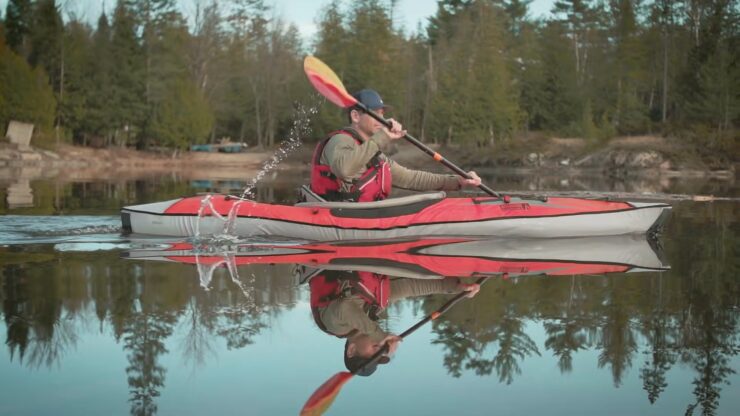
{"type": "Point", "coordinates": [327, 287]}
{"type": "Point", "coordinates": [373, 185]}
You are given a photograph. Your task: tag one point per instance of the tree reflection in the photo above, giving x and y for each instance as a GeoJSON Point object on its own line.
{"type": "Point", "coordinates": [659, 358]}
{"type": "Point", "coordinates": [617, 343]}
{"type": "Point", "coordinates": [36, 330]}
{"type": "Point", "coordinates": [143, 338]}
{"type": "Point", "coordinates": [46, 306]}
{"type": "Point", "coordinates": [564, 337]}
{"type": "Point", "coordinates": [468, 344]}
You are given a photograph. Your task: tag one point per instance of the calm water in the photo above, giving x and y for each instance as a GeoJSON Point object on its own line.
{"type": "Point", "coordinates": [90, 330]}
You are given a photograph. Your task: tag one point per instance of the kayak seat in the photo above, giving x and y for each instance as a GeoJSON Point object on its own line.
{"type": "Point", "coordinates": [392, 207]}
{"type": "Point", "coordinates": [305, 194]}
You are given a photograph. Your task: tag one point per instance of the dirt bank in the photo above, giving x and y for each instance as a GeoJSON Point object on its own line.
{"type": "Point", "coordinates": [82, 163]}
{"type": "Point", "coordinates": [620, 157]}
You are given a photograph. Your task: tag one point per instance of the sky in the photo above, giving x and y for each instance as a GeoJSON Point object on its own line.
{"type": "Point", "coordinates": [303, 13]}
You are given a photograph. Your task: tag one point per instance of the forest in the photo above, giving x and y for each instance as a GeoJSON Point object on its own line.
{"type": "Point", "coordinates": [479, 73]}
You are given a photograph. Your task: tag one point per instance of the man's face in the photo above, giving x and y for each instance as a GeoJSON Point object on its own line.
{"type": "Point", "coordinates": [364, 347]}
{"type": "Point", "coordinates": [365, 123]}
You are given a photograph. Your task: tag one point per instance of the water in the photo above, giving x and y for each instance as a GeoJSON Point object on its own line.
{"type": "Point", "coordinates": [92, 330]}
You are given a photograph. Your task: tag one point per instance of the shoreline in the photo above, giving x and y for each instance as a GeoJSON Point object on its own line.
{"type": "Point", "coordinates": [622, 158]}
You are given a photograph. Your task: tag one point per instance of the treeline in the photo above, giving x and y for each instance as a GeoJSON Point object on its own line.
{"type": "Point", "coordinates": [480, 72]}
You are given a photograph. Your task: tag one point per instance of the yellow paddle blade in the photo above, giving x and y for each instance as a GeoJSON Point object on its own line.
{"type": "Point", "coordinates": [326, 82]}
{"type": "Point", "coordinates": [324, 396]}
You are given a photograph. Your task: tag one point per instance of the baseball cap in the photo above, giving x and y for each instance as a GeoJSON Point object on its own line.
{"type": "Point", "coordinates": [370, 98]}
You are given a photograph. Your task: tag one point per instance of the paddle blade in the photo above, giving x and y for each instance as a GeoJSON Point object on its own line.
{"type": "Point", "coordinates": [326, 82]}
{"type": "Point", "coordinates": [324, 396]}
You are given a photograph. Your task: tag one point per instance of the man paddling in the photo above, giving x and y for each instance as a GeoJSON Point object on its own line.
{"type": "Point", "coordinates": [348, 304]}
{"type": "Point", "coordinates": [349, 165]}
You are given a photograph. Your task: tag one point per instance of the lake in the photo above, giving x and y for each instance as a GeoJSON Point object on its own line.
{"type": "Point", "coordinates": [96, 322]}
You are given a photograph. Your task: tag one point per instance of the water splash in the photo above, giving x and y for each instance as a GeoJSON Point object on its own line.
{"type": "Point", "coordinates": [227, 260]}
{"type": "Point", "coordinates": [301, 128]}
{"type": "Point", "coordinates": [206, 208]}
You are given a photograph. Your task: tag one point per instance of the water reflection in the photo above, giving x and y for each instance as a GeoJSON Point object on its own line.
{"type": "Point", "coordinates": [626, 314]}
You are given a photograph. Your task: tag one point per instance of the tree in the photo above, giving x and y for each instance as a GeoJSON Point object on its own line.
{"type": "Point", "coordinates": [99, 114]}
{"type": "Point", "coordinates": [75, 84]}
{"type": "Point", "coordinates": [18, 22]}
{"type": "Point", "coordinates": [182, 117]}
{"type": "Point", "coordinates": [25, 94]}
{"type": "Point", "coordinates": [474, 100]}
{"type": "Point", "coordinates": [331, 47]}
{"type": "Point", "coordinates": [128, 82]}
{"type": "Point", "coordinates": [46, 40]}
{"type": "Point", "coordinates": [630, 114]}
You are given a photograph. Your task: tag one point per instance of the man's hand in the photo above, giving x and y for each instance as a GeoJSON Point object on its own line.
{"type": "Point", "coordinates": [472, 289]}
{"type": "Point", "coordinates": [396, 131]}
{"type": "Point", "coordinates": [392, 341]}
{"type": "Point", "coordinates": [472, 182]}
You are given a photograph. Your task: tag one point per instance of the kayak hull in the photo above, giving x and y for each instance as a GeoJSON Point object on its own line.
{"type": "Point", "coordinates": [554, 218]}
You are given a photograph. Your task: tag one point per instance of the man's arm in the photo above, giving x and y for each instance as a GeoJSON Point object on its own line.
{"type": "Point", "coordinates": [417, 180]}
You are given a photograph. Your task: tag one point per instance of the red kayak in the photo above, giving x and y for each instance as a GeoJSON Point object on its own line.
{"type": "Point", "coordinates": [418, 215]}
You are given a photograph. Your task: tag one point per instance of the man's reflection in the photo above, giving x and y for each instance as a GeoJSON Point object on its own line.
{"type": "Point", "coordinates": [347, 304]}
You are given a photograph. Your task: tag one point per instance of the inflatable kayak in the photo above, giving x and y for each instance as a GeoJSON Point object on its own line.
{"type": "Point", "coordinates": [417, 215]}
{"type": "Point", "coordinates": [430, 257]}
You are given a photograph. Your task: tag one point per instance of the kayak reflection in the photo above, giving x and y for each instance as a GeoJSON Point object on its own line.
{"type": "Point", "coordinates": [425, 258]}
{"type": "Point", "coordinates": [351, 284]}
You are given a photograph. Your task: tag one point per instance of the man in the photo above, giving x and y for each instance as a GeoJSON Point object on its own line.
{"type": "Point", "coordinates": [348, 304]}
{"type": "Point", "coordinates": [350, 166]}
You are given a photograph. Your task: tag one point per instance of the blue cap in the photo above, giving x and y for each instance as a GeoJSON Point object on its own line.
{"type": "Point", "coordinates": [370, 98]}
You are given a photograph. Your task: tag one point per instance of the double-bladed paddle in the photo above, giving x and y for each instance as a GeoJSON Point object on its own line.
{"type": "Point", "coordinates": [330, 86]}
{"type": "Point", "coordinates": [324, 396]}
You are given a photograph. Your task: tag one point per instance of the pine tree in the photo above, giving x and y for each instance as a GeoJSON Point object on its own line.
{"type": "Point", "coordinates": [98, 124]}
{"type": "Point", "coordinates": [474, 102]}
{"type": "Point", "coordinates": [128, 82]}
{"type": "Point", "coordinates": [331, 47]}
{"type": "Point", "coordinates": [18, 22]}
{"type": "Point", "coordinates": [630, 115]}
{"type": "Point", "coordinates": [75, 84]}
{"type": "Point", "coordinates": [46, 40]}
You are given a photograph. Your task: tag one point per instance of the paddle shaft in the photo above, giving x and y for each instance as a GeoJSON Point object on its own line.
{"type": "Point", "coordinates": [434, 315]}
{"type": "Point", "coordinates": [436, 156]}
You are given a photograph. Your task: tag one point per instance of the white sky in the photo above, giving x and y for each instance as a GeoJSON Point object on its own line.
{"type": "Point", "coordinates": [303, 13]}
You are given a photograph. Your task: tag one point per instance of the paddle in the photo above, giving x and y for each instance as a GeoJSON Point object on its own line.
{"type": "Point", "coordinates": [324, 396]}
{"type": "Point", "coordinates": [326, 82]}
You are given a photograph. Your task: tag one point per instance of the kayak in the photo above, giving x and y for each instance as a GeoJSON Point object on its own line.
{"type": "Point", "coordinates": [424, 258]}
{"type": "Point", "coordinates": [430, 214]}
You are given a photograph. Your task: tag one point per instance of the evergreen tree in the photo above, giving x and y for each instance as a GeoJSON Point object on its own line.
{"type": "Point", "coordinates": [25, 94]}
{"type": "Point", "coordinates": [128, 92]}
{"type": "Point", "coordinates": [630, 114]}
{"type": "Point", "coordinates": [331, 48]}
{"type": "Point", "coordinates": [18, 22]}
{"type": "Point", "coordinates": [100, 114]}
{"type": "Point", "coordinates": [46, 40]}
{"type": "Point", "coordinates": [475, 101]}
{"type": "Point", "coordinates": [75, 83]}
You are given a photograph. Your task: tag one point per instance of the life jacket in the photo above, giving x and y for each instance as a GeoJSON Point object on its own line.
{"type": "Point", "coordinates": [331, 286]}
{"type": "Point", "coordinates": [373, 185]}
